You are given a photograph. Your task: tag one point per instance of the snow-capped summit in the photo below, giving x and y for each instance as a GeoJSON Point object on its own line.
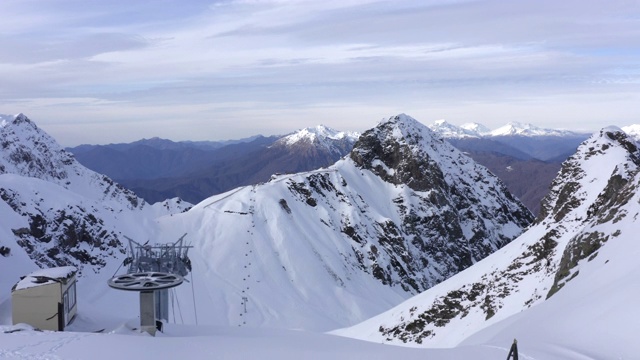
{"type": "Point", "coordinates": [404, 152]}
{"type": "Point", "coordinates": [476, 128]}
{"type": "Point", "coordinates": [584, 243]}
{"type": "Point", "coordinates": [520, 129]}
{"type": "Point", "coordinates": [59, 212]}
{"type": "Point", "coordinates": [447, 130]}
{"type": "Point", "coordinates": [316, 133]}
{"type": "Point", "coordinates": [633, 131]}
{"type": "Point", "coordinates": [402, 212]}
{"type": "Point", "coordinates": [30, 152]}
{"type": "Point", "coordinates": [320, 138]}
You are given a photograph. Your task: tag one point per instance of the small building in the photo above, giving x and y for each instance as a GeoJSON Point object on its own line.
{"type": "Point", "coordinates": [46, 298]}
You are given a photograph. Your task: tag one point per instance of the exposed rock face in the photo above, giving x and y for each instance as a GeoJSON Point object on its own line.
{"type": "Point", "coordinates": [458, 213]}
{"type": "Point", "coordinates": [401, 213]}
{"type": "Point", "coordinates": [608, 207]}
{"type": "Point", "coordinates": [62, 213]}
{"type": "Point", "coordinates": [590, 203]}
{"type": "Point", "coordinates": [404, 211]}
{"type": "Point", "coordinates": [64, 235]}
{"type": "Point", "coordinates": [526, 158]}
{"type": "Point", "coordinates": [30, 152]}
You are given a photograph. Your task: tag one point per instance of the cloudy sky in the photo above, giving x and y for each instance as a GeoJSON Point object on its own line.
{"type": "Point", "coordinates": [95, 71]}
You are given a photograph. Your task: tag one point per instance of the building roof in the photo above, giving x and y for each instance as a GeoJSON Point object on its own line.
{"type": "Point", "coordinates": [45, 277]}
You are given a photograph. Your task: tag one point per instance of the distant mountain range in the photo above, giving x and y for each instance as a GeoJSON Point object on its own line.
{"type": "Point", "coordinates": [448, 130]}
{"type": "Point", "coordinates": [403, 211]}
{"type": "Point", "coordinates": [158, 169]}
{"type": "Point", "coordinates": [405, 240]}
{"type": "Point", "coordinates": [524, 156]}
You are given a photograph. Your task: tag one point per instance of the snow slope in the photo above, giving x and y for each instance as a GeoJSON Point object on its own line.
{"type": "Point", "coordinates": [202, 342]}
{"type": "Point", "coordinates": [316, 250]}
{"type": "Point", "coordinates": [55, 212]}
{"type": "Point", "coordinates": [591, 212]}
{"type": "Point", "coordinates": [403, 212]}
{"type": "Point", "coordinates": [633, 131]}
{"type": "Point", "coordinates": [567, 282]}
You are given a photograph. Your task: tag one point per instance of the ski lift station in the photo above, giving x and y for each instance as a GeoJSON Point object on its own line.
{"type": "Point", "coordinates": [153, 270]}
{"type": "Point", "coordinates": [46, 298]}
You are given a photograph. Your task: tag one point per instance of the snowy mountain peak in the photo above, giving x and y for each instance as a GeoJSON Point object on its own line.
{"type": "Point", "coordinates": [520, 129]}
{"type": "Point", "coordinates": [28, 151]}
{"type": "Point", "coordinates": [402, 150]}
{"type": "Point", "coordinates": [633, 131]}
{"type": "Point", "coordinates": [59, 212]}
{"type": "Point", "coordinates": [516, 128]}
{"type": "Point", "coordinates": [317, 134]}
{"type": "Point", "coordinates": [476, 128]}
{"type": "Point", "coordinates": [318, 139]}
{"type": "Point", "coordinates": [19, 118]}
{"type": "Point", "coordinates": [403, 212]}
{"type": "Point", "coordinates": [591, 209]}
{"type": "Point", "coordinates": [606, 154]}
{"type": "Point", "coordinates": [447, 130]}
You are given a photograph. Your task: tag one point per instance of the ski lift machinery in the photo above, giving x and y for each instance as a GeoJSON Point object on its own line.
{"type": "Point", "coordinates": [152, 271]}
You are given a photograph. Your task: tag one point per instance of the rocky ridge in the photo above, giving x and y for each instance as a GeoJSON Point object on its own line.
{"type": "Point", "coordinates": [58, 211]}
{"type": "Point", "coordinates": [591, 202]}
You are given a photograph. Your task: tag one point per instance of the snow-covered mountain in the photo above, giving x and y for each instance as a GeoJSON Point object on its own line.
{"type": "Point", "coordinates": [633, 131]}
{"type": "Point", "coordinates": [567, 280]}
{"type": "Point", "coordinates": [157, 169]}
{"type": "Point", "coordinates": [322, 138]}
{"type": "Point", "coordinates": [404, 211]}
{"type": "Point", "coordinates": [59, 212]}
{"type": "Point", "coordinates": [448, 130]}
{"type": "Point", "coordinates": [270, 255]}
{"type": "Point", "coordinates": [524, 156]}
{"type": "Point", "coordinates": [476, 128]}
{"type": "Point", "coordinates": [317, 250]}
{"type": "Point", "coordinates": [538, 143]}
{"type": "Point", "coordinates": [521, 129]}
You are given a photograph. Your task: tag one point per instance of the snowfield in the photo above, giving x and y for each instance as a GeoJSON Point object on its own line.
{"type": "Point", "coordinates": [202, 342]}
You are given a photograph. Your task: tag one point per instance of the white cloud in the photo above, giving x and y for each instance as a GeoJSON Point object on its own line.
{"type": "Point", "coordinates": [125, 60]}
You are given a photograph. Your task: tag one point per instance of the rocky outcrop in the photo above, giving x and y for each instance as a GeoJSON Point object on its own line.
{"type": "Point", "coordinates": [66, 214]}
{"type": "Point", "coordinates": [588, 206]}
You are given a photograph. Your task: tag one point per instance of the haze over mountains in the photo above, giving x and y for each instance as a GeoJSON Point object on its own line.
{"type": "Point", "coordinates": [157, 169]}
{"type": "Point", "coordinates": [404, 220]}
{"type": "Point", "coordinates": [525, 157]}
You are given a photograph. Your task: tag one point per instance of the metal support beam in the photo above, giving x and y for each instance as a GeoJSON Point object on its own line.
{"type": "Point", "coordinates": [162, 304]}
{"type": "Point", "coordinates": [148, 312]}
